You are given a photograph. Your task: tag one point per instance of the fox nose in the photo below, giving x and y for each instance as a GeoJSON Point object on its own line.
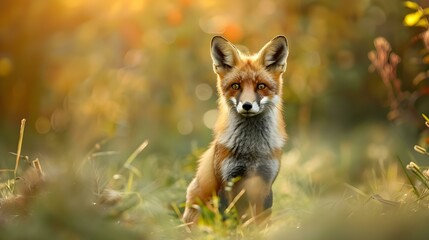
{"type": "Point", "coordinates": [247, 106]}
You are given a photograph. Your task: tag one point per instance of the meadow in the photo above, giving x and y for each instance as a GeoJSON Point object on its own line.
{"type": "Point", "coordinates": [106, 106]}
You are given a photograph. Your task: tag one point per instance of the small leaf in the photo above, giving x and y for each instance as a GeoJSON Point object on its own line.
{"type": "Point", "coordinates": [423, 22]}
{"type": "Point", "coordinates": [411, 5]}
{"type": "Point", "coordinates": [412, 18]}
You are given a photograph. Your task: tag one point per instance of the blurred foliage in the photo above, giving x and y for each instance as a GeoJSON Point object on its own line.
{"type": "Point", "coordinates": [132, 70]}
{"type": "Point", "coordinates": [417, 18]}
{"type": "Point", "coordinates": [96, 78]}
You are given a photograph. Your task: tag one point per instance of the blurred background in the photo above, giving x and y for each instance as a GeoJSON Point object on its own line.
{"type": "Point", "coordinates": [125, 71]}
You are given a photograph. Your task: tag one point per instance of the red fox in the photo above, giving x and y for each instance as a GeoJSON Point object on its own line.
{"type": "Point", "coordinates": [249, 133]}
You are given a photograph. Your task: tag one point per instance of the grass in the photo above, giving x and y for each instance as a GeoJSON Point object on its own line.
{"type": "Point", "coordinates": [140, 197]}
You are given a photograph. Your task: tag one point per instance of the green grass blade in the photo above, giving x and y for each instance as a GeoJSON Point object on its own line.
{"type": "Point", "coordinates": [408, 176]}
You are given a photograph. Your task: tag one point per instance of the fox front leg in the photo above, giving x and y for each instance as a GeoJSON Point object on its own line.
{"type": "Point", "coordinates": [191, 213]}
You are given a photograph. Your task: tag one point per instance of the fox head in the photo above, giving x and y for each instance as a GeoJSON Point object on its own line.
{"type": "Point", "coordinates": [249, 84]}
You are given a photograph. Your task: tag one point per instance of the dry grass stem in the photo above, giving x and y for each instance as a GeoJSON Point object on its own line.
{"type": "Point", "coordinates": [38, 167]}
{"type": "Point", "coordinates": [18, 152]}
{"type": "Point", "coordinates": [133, 156]}
{"type": "Point", "coordinates": [235, 200]}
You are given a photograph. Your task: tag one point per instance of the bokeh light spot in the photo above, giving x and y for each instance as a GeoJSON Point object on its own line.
{"type": "Point", "coordinates": [203, 92]}
{"type": "Point", "coordinates": [43, 125]}
{"type": "Point", "coordinates": [132, 58]}
{"type": "Point", "coordinates": [175, 17]}
{"type": "Point", "coordinates": [210, 117]}
{"type": "Point", "coordinates": [377, 15]}
{"type": "Point", "coordinates": [59, 120]}
{"type": "Point", "coordinates": [233, 32]}
{"type": "Point", "coordinates": [213, 25]}
{"type": "Point", "coordinates": [185, 126]}
{"type": "Point", "coordinates": [312, 59]}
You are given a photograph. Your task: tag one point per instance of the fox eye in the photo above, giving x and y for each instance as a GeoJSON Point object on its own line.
{"type": "Point", "coordinates": [261, 86]}
{"type": "Point", "coordinates": [235, 86]}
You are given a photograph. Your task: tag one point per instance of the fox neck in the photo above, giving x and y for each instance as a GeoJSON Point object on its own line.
{"type": "Point", "coordinates": [262, 133]}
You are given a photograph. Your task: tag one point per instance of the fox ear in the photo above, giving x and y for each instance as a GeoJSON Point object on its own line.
{"type": "Point", "coordinates": [274, 54]}
{"type": "Point", "coordinates": [224, 55]}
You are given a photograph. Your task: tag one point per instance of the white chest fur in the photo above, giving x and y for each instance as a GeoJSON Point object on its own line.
{"type": "Point", "coordinates": [254, 134]}
{"type": "Point", "coordinates": [251, 142]}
